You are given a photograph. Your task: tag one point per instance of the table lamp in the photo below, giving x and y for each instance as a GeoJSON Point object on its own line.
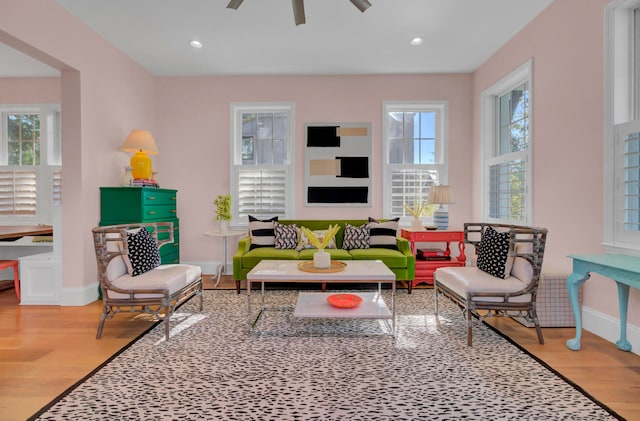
{"type": "Point", "coordinates": [441, 195]}
{"type": "Point", "coordinates": [140, 143]}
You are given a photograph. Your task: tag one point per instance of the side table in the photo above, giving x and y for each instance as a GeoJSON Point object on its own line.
{"type": "Point", "coordinates": [425, 268]}
{"type": "Point", "coordinates": [224, 235]}
{"type": "Point", "coordinates": [624, 270]}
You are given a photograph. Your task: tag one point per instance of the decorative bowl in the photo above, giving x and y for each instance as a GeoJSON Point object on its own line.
{"type": "Point", "coordinates": [344, 300]}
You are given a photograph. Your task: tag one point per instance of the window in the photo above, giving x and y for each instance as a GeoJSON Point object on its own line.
{"type": "Point", "coordinates": [622, 126]}
{"type": "Point", "coordinates": [415, 158]}
{"type": "Point", "coordinates": [506, 138]}
{"type": "Point", "coordinates": [30, 159]}
{"type": "Point", "coordinates": [262, 173]}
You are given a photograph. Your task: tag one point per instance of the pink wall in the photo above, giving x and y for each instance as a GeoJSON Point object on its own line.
{"type": "Point", "coordinates": [193, 134]}
{"type": "Point", "coordinates": [566, 44]}
{"type": "Point", "coordinates": [104, 95]}
{"type": "Point", "coordinates": [30, 90]}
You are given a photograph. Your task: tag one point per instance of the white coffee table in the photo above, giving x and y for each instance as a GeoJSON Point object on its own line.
{"type": "Point", "coordinates": [315, 305]}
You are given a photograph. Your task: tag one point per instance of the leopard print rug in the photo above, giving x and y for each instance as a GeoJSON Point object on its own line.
{"type": "Point", "coordinates": [212, 369]}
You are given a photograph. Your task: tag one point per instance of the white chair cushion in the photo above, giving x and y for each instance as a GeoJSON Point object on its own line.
{"type": "Point", "coordinates": [471, 279]}
{"type": "Point", "coordinates": [166, 277]}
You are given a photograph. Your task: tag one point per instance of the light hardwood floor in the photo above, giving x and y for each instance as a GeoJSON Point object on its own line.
{"type": "Point", "coordinates": [46, 349]}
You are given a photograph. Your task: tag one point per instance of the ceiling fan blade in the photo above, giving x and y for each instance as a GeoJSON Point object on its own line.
{"type": "Point", "coordinates": [234, 4]}
{"type": "Point", "coordinates": [361, 4]}
{"type": "Point", "coordinates": [298, 11]}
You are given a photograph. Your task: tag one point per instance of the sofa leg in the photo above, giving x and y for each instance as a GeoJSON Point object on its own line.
{"type": "Point", "coordinates": [410, 285]}
{"type": "Point", "coordinates": [238, 286]}
{"type": "Point", "coordinates": [324, 287]}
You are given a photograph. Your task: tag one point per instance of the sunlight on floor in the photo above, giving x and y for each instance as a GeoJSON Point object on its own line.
{"type": "Point", "coordinates": [185, 322]}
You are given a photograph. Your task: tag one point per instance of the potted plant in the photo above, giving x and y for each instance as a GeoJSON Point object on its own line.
{"type": "Point", "coordinates": [223, 211]}
{"type": "Point", "coordinates": [321, 259]}
{"type": "Point", "coordinates": [416, 211]}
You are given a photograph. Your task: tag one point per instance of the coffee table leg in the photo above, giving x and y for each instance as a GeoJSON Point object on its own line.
{"type": "Point", "coordinates": [393, 309]}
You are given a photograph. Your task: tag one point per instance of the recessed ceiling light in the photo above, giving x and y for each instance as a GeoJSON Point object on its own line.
{"type": "Point", "coordinates": [416, 41]}
{"type": "Point", "coordinates": [195, 44]}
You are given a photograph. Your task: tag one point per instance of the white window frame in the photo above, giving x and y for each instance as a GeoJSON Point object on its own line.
{"type": "Point", "coordinates": [441, 165]}
{"type": "Point", "coordinates": [489, 139]}
{"type": "Point", "coordinates": [621, 116]}
{"type": "Point", "coordinates": [237, 110]}
{"type": "Point", "coordinates": [48, 173]}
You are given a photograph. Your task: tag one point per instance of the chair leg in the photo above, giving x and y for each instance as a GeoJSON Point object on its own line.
{"type": "Point", "coordinates": [435, 292]}
{"type": "Point", "coordinates": [238, 286]}
{"type": "Point", "coordinates": [536, 322]}
{"type": "Point", "coordinates": [16, 279]}
{"type": "Point", "coordinates": [101, 324]}
{"type": "Point", "coordinates": [469, 327]}
{"type": "Point", "coordinates": [167, 325]}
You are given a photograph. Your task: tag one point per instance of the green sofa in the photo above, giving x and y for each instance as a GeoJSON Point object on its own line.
{"type": "Point", "coordinates": [401, 261]}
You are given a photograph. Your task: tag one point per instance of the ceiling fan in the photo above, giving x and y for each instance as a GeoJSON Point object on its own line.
{"type": "Point", "coordinates": [298, 8]}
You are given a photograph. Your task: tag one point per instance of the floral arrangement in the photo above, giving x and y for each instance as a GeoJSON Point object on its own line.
{"type": "Point", "coordinates": [320, 245]}
{"type": "Point", "coordinates": [418, 209]}
{"type": "Point", "coordinates": [223, 205]}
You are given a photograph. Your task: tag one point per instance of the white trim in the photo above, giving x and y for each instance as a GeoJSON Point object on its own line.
{"type": "Point", "coordinates": [441, 108]}
{"type": "Point", "coordinates": [235, 150]}
{"type": "Point", "coordinates": [608, 328]}
{"type": "Point", "coordinates": [618, 109]}
{"type": "Point", "coordinates": [488, 129]}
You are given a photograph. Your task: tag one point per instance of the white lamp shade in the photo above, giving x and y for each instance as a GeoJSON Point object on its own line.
{"type": "Point", "coordinates": [441, 195]}
{"type": "Point", "coordinates": [140, 140]}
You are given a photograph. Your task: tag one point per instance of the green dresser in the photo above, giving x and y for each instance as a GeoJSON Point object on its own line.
{"type": "Point", "coordinates": [124, 205]}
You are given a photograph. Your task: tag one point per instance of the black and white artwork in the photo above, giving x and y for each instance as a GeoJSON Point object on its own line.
{"type": "Point", "coordinates": [338, 164]}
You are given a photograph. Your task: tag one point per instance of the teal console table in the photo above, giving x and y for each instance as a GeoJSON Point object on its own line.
{"type": "Point", "coordinates": [625, 270]}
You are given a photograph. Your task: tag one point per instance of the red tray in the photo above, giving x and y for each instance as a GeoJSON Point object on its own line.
{"type": "Point", "coordinates": [344, 300]}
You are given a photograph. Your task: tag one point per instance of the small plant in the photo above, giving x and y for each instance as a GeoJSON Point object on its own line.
{"type": "Point", "coordinates": [418, 209]}
{"type": "Point", "coordinates": [223, 205]}
{"type": "Point", "coordinates": [321, 244]}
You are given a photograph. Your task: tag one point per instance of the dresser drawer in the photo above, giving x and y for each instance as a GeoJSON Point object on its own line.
{"type": "Point", "coordinates": [153, 197]}
{"type": "Point", "coordinates": [158, 213]}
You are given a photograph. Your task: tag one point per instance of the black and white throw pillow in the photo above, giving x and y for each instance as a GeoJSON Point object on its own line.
{"type": "Point", "coordinates": [143, 252]}
{"type": "Point", "coordinates": [286, 235]}
{"type": "Point", "coordinates": [356, 237]}
{"type": "Point", "coordinates": [261, 232]}
{"type": "Point", "coordinates": [493, 253]}
{"type": "Point", "coordinates": [383, 234]}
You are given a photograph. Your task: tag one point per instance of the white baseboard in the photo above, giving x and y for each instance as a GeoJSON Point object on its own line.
{"type": "Point", "coordinates": [79, 296]}
{"type": "Point", "coordinates": [608, 328]}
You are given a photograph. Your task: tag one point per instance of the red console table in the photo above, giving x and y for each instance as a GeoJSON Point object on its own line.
{"type": "Point", "coordinates": [425, 268]}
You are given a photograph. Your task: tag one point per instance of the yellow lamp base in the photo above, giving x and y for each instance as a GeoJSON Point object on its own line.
{"type": "Point", "coordinates": [141, 165]}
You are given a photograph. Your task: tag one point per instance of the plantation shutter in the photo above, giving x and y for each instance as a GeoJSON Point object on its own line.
{"type": "Point", "coordinates": [410, 186]}
{"type": "Point", "coordinates": [507, 190]}
{"type": "Point", "coordinates": [56, 187]}
{"type": "Point", "coordinates": [18, 192]}
{"type": "Point", "coordinates": [261, 192]}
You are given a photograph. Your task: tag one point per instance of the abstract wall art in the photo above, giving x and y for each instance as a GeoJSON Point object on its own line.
{"type": "Point", "coordinates": [338, 164]}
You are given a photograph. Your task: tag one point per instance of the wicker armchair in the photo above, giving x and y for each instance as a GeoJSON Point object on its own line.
{"type": "Point", "coordinates": [472, 289]}
{"type": "Point", "coordinates": [159, 291]}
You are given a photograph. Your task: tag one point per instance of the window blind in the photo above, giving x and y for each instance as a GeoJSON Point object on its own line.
{"type": "Point", "coordinates": [18, 192]}
{"type": "Point", "coordinates": [262, 192]}
{"type": "Point", "coordinates": [507, 188]}
{"type": "Point", "coordinates": [409, 186]}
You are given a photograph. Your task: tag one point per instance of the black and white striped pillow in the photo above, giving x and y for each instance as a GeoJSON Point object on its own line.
{"type": "Point", "coordinates": [286, 235]}
{"type": "Point", "coordinates": [383, 234]}
{"type": "Point", "coordinates": [356, 237]}
{"type": "Point", "coordinates": [261, 232]}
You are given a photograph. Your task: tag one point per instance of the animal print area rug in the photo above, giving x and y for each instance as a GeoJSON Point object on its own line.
{"type": "Point", "coordinates": [211, 369]}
